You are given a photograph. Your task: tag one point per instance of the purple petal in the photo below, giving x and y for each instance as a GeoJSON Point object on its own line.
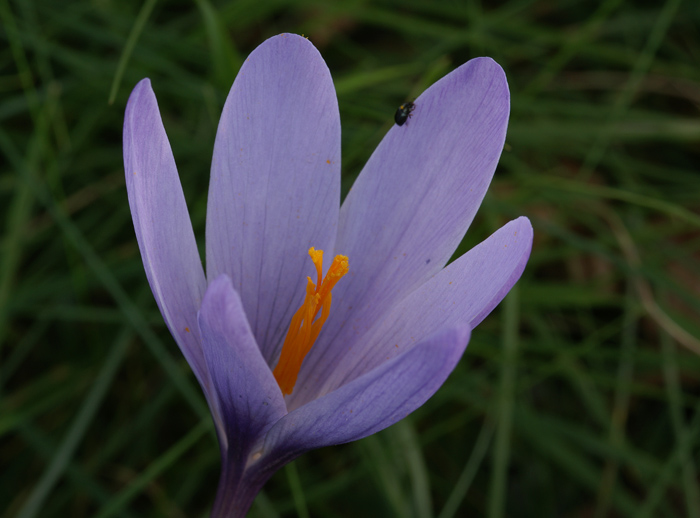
{"type": "Point", "coordinates": [371, 402]}
{"type": "Point", "coordinates": [275, 182]}
{"type": "Point", "coordinates": [249, 397]}
{"type": "Point", "coordinates": [414, 200]}
{"type": "Point", "coordinates": [463, 293]}
{"type": "Point", "coordinates": [163, 227]}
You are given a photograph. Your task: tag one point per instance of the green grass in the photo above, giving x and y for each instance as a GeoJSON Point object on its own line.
{"type": "Point", "coordinates": [577, 397]}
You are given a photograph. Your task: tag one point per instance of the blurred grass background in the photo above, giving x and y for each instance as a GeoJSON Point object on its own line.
{"type": "Point", "coordinates": [577, 397]}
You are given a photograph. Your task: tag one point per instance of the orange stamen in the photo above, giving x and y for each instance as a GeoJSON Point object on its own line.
{"type": "Point", "coordinates": [305, 327]}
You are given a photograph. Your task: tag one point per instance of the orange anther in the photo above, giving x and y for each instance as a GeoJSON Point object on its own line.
{"type": "Point", "coordinates": [305, 327]}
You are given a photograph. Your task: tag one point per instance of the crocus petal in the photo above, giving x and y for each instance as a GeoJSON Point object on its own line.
{"type": "Point", "coordinates": [414, 200]}
{"type": "Point", "coordinates": [371, 402]}
{"type": "Point", "coordinates": [465, 292]}
{"type": "Point", "coordinates": [163, 227]}
{"type": "Point", "coordinates": [275, 182]}
{"type": "Point", "coordinates": [250, 399]}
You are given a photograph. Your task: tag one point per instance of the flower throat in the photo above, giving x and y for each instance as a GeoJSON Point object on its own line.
{"type": "Point", "coordinates": [305, 327]}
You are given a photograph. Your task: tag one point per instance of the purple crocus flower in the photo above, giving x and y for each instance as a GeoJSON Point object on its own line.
{"type": "Point", "coordinates": [400, 320]}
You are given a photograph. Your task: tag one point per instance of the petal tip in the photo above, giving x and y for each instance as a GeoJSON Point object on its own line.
{"type": "Point", "coordinates": [525, 228]}
{"type": "Point", "coordinates": [289, 42]}
{"type": "Point", "coordinates": [142, 87]}
{"type": "Point", "coordinates": [144, 83]}
{"type": "Point", "coordinates": [454, 341]}
{"type": "Point", "coordinates": [141, 105]}
{"type": "Point", "coordinates": [463, 333]}
{"type": "Point", "coordinates": [523, 222]}
{"type": "Point", "coordinates": [487, 67]}
{"type": "Point", "coordinates": [219, 291]}
{"type": "Point", "coordinates": [487, 64]}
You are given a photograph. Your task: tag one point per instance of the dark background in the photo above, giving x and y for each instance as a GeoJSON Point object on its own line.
{"type": "Point", "coordinates": [577, 397]}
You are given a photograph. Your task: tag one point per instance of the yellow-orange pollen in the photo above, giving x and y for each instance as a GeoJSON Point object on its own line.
{"type": "Point", "coordinates": [305, 327]}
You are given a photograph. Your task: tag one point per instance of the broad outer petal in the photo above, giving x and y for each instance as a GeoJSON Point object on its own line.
{"type": "Point", "coordinates": [163, 227]}
{"type": "Point", "coordinates": [249, 397]}
{"type": "Point", "coordinates": [414, 200]}
{"type": "Point", "coordinates": [371, 402]}
{"type": "Point", "coordinates": [275, 182]}
{"type": "Point", "coordinates": [463, 293]}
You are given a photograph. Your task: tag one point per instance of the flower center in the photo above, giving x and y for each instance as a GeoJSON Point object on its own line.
{"type": "Point", "coordinates": [305, 327]}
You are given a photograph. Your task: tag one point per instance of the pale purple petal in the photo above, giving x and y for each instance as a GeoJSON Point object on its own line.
{"type": "Point", "coordinates": [371, 402]}
{"type": "Point", "coordinates": [465, 292]}
{"type": "Point", "coordinates": [163, 227]}
{"type": "Point", "coordinates": [413, 202]}
{"type": "Point", "coordinates": [249, 397]}
{"type": "Point", "coordinates": [275, 182]}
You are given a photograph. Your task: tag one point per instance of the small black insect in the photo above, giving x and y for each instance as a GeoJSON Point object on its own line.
{"type": "Point", "coordinates": [403, 113]}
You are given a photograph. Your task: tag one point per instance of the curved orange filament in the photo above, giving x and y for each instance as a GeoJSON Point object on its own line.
{"type": "Point", "coordinates": [305, 327]}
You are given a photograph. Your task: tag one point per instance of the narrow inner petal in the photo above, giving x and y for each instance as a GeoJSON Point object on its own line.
{"type": "Point", "coordinates": [305, 326]}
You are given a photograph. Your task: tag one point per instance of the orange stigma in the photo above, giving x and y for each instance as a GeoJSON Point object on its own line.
{"type": "Point", "coordinates": [305, 327]}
